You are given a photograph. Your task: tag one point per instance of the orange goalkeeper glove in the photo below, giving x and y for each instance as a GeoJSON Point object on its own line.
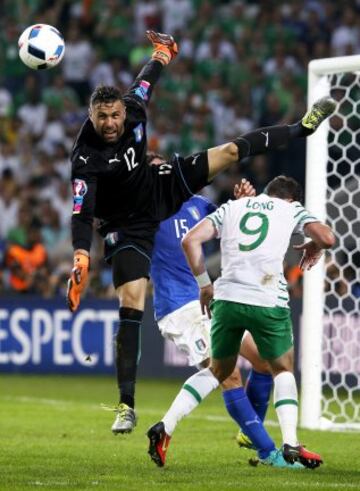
{"type": "Point", "coordinates": [165, 48]}
{"type": "Point", "coordinates": [78, 280]}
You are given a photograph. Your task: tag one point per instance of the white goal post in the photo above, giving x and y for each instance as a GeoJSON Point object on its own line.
{"type": "Point", "coordinates": [330, 327]}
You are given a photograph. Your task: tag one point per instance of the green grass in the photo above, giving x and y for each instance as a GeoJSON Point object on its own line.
{"type": "Point", "coordinates": [54, 435]}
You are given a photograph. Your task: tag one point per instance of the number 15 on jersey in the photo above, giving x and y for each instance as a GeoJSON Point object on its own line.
{"type": "Point", "coordinates": [181, 227]}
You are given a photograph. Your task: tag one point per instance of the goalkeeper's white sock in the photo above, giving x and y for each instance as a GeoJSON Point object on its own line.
{"type": "Point", "coordinates": [194, 390]}
{"type": "Point", "coordinates": [286, 405]}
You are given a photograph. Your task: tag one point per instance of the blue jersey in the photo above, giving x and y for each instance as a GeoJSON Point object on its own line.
{"type": "Point", "coordinates": [174, 283]}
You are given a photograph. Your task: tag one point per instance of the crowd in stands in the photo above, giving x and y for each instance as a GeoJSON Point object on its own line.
{"type": "Point", "coordinates": [242, 64]}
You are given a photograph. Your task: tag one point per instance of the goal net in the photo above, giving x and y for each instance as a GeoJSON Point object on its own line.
{"type": "Point", "coordinates": [330, 329]}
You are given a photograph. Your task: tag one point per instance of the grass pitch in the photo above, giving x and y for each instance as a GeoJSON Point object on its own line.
{"type": "Point", "coordinates": [54, 435]}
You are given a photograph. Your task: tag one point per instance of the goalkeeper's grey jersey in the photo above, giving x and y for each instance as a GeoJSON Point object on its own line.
{"type": "Point", "coordinates": [255, 234]}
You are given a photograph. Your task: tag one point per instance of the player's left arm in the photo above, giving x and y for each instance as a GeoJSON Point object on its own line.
{"type": "Point", "coordinates": [164, 50]}
{"type": "Point", "coordinates": [192, 245]}
{"type": "Point", "coordinates": [322, 237]}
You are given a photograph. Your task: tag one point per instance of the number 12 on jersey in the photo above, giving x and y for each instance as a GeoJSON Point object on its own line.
{"type": "Point", "coordinates": [129, 157]}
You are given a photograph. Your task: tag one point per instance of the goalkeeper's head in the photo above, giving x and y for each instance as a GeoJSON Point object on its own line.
{"type": "Point", "coordinates": [286, 188]}
{"type": "Point", "coordinates": [107, 113]}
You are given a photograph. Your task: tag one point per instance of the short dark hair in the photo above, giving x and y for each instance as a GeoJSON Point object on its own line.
{"type": "Point", "coordinates": [285, 187]}
{"type": "Point", "coordinates": [105, 94]}
{"type": "Point", "coordinates": [150, 156]}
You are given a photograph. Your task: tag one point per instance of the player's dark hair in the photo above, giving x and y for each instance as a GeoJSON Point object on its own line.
{"type": "Point", "coordinates": [150, 156]}
{"type": "Point", "coordinates": [105, 94]}
{"type": "Point", "coordinates": [284, 187]}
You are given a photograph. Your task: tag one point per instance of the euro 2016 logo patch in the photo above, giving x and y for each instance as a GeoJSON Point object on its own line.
{"type": "Point", "coordinates": [142, 90]}
{"type": "Point", "coordinates": [138, 132]}
{"type": "Point", "coordinates": [79, 190]}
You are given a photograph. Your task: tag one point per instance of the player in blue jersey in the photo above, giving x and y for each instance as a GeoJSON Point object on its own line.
{"type": "Point", "coordinates": [178, 313]}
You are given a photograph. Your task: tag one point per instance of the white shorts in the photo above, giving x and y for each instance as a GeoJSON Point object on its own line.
{"type": "Point", "coordinates": [189, 329]}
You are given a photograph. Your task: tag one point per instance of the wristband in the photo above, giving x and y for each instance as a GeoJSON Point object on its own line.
{"type": "Point", "coordinates": [203, 279]}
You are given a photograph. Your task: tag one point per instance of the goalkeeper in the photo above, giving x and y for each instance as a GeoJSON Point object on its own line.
{"type": "Point", "coordinates": [112, 182]}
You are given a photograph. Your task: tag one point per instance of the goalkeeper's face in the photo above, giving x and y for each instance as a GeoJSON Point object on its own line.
{"type": "Point", "coordinates": [108, 120]}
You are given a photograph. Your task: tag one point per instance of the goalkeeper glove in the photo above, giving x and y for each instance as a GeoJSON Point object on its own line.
{"type": "Point", "coordinates": [165, 48]}
{"type": "Point", "coordinates": [78, 279]}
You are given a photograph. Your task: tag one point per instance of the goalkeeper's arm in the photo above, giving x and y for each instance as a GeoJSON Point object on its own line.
{"type": "Point", "coordinates": [164, 50]}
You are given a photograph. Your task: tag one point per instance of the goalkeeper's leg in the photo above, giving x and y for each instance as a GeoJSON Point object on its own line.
{"type": "Point", "coordinates": [268, 138]}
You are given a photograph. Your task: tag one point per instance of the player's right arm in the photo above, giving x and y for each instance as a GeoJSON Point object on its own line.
{"type": "Point", "coordinates": [321, 237]}
{"type": "Point", "coordinates": [165, 50]}
{"type": "Point", "coordinates": [192, 245]}
{"type": "Point", "coordinates": [84, 184]}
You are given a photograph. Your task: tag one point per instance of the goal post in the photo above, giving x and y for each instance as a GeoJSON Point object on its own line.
{"type": "Point", "coordinates": [330, 345]}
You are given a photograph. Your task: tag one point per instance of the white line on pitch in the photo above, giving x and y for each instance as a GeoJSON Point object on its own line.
{"type": "Point", "coordinates": [60, 403]}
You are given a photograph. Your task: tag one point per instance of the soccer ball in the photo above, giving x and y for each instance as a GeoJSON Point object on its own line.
{"type": "Point", "coordinates": [41, 46]}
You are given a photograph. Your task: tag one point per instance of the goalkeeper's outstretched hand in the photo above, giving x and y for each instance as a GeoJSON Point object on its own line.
{"type": "Point", "coordinates": [165, 48]}
{"type": "Point", "coordinates": [78, 280]}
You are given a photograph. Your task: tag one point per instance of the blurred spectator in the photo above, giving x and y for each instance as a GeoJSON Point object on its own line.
{"type": "Point", "coordinates": [272, 113]}
{"type": "Point", "coordinates": [26, 262]}
{"type": "Point", "coordinates": [9, 159]}
{"type": "Point", "coordinates": [9, 203]}
{"type": "Point", "coordinates": [176, 15]}
{"type": "Point", "coordinates": [33, 116]}
{"type": "Point", "coordinates": [345, 39]}
{"type": "Point", "coordinates": [54, 132]}
{"type": "Point", "coordinates": [12, 69]}
{"type": "Point", "coordinates": [147, 15]}
{"type": "Point", "coordinates": [77, 62]}
{"type": "Point", "coordinates": [56, 93]}
{"type": "Point", "coordinates": [17, 233]}
{"type": "Point", "coordinates": [5, 102]}
{"type": "Point", "coordinates": [102, 72]}
{"type": "Point", "coordinates": [55, 237]}
{"type": "Point", "coordinates": [280, 62]}
{"type": "Point", "coordinates": [294, 276]}
{"type": "Point", "coordinates": [216, 47]}
{"type": "Point", "coordinates": [112, 28]}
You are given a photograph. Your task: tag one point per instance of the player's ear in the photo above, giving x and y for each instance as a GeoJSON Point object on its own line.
{"type": "Point", "coordinates": [90, 113]}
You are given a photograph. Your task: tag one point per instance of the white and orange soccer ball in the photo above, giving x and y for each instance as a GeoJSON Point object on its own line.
{"type": "Point", "coordinates": [41, 47]}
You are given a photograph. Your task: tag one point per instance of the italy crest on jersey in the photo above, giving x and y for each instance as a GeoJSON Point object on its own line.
{"type": "Point", "coordinates": [194, 212]}
{"type": "Point", "coordinates": [138, 132]}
